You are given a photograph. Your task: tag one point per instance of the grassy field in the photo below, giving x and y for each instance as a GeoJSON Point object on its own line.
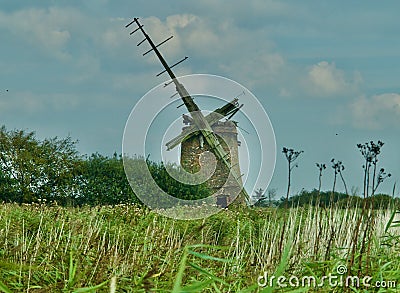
{"type": "Point", "coordinates": [131, 249]}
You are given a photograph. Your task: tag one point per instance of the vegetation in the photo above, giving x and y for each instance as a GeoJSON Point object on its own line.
{"type": "Point", "coordinates": [53, 249]}
{"type": "Point", "coordinates": [174, 187]}
{"type": "Point", "coordinates": [71, 223]}
{"type": "Point", "coordinates": [36, 171]}
{"type": "Point", "coordinates": [32, 170]}
{"type": "Point", "coordinates": [325, 199]}
{"type": "Point", "coordinates": [291, 155]}
{"type": "Point", "coordinates": [56, 249]}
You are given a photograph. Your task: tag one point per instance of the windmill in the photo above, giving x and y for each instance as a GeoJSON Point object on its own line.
{"type": "Point", "coordinates": [199, 125]}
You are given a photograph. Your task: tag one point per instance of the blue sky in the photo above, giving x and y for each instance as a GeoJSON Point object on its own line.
{"type": "Point", "coordinates": [326, 72]}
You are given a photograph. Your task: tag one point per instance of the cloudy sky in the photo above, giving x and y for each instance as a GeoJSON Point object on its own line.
{"type": "Point", "coordinates": [326, 72]}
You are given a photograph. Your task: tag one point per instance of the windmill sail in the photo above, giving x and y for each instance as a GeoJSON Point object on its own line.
{"type": "Point", "coordinates": [201, 123]}
{"type": "Point", "coordinates": [211, 118]}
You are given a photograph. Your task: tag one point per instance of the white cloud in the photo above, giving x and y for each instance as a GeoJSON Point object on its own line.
{"type": "Point", "coordinates": [223, 47]}
{"type": "Point", "coordinates": [248, 10]}
{"type": "Point", "coordinates": [32, 103]}
{"type": "Point", "coordinates": [264, 69]}
{"type": "Point", "coordinates": [231, 50]}
{"type": "Point", "coordinates": [376, 112]}
{"type": "Point", "coordinates": [86, 68]}
{"type": "Point", "coordinates": [283, 92]}
{"type": "Point", "coordinates": [325, 79]}
{"type": "Point", "coordinates": [174, 25]}
{"type": "Point", "coordinates": [118, 41]}
{"type": "Point", "coordinates": [49, 29]}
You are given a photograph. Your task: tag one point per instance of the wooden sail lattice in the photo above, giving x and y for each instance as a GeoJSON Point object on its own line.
{"type": "Point", "coordinates": [200, 124]}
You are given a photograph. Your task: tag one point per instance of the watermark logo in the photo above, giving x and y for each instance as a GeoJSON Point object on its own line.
{"type": "Point", "coordinates": [341, 269]}
{"type": "Point", "coordinates": [153, 132]}
{"type": "Point", "coordinates": [331, 280]}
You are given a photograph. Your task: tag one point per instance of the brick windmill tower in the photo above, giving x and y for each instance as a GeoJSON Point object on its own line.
{"type": "Point", "coordinates": [205, 134]}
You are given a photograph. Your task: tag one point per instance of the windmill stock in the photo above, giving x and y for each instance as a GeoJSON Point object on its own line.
{"type": "Point", "coordinates": [200, 124]}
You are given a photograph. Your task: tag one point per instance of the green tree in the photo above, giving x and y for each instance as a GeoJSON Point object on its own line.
{"type": "Point", "coordinates": [104, 182]}
{"type": "Point", "coordinates": [31, 169]}
{"type": "Point", "coordinates": [173, 187]}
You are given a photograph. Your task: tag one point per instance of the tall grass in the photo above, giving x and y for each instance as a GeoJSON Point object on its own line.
{"type": "Point", "coordinates": [131, 249]}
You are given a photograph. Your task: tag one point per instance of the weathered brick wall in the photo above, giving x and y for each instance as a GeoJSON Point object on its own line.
{"type": "Point", "coordinates": [192, 148]}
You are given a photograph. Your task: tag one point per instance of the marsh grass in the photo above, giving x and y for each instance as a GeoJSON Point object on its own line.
{"type": "Point", "coordinates": [126, 248]}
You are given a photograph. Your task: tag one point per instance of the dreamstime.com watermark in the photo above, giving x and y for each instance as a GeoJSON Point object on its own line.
{"type": "Point", "coordinates": [331, 280]}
